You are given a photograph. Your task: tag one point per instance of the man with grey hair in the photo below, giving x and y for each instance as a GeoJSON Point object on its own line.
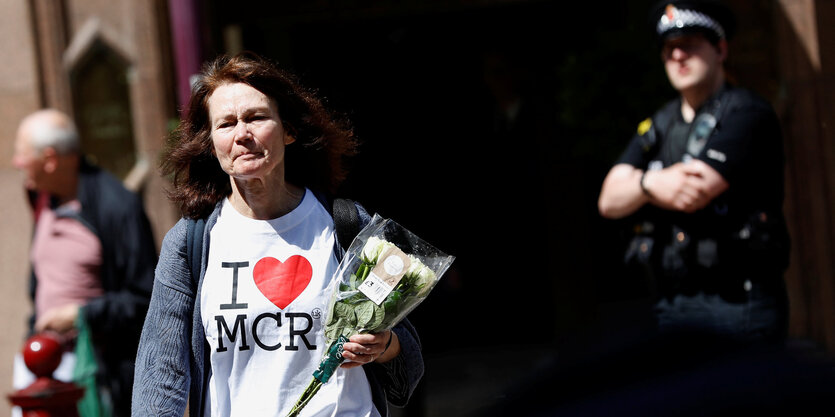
{"type": "Point", "coordinates": [92, 255]}
{"type": "Point", "coordinates": [47, 142]}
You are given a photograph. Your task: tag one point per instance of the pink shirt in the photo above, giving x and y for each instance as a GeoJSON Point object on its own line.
{"type": "Point", "coordinates": [67, 258]}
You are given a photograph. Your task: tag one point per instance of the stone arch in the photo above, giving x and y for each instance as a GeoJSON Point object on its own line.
{"type": "Point", "coordinates": [99, 72]}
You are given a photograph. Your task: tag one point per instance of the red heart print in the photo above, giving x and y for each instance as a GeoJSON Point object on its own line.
{"type": "Point", "coordinates": [282, 282]}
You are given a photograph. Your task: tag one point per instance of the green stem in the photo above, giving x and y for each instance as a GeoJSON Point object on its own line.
{"type": "Point", "coordinates": [360, 272]}
{"type": "Point", "coordinates": [366, 271]}
{"type": "Point", "coordinates": [305, 398]}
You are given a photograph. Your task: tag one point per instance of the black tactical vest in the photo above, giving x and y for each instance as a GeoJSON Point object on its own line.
{"type": "Point", "coordinates": [676, 250]}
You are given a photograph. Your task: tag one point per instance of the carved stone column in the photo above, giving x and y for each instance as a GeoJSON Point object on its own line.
{"type": "Point", "coordinates": [805, 55]}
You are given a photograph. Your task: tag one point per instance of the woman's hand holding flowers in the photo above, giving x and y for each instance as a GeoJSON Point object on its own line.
{"type": "Point", "coordinates": [370, 347]}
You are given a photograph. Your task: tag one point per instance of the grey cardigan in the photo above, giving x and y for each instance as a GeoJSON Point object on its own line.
{"type": "Point", "coordinates": [171, 369]}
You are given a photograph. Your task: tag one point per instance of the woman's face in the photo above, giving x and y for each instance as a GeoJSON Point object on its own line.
{"type": "Point", "coordinates": [247, 133]}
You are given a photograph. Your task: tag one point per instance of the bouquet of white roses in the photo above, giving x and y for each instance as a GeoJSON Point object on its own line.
{"type": "Point", "coordinates": [385, 273]}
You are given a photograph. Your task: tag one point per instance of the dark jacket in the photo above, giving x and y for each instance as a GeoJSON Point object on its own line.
{"type": "Point", "coordinates": [742, 232]}
{"type": "Point", "coordinates": [117, 217]}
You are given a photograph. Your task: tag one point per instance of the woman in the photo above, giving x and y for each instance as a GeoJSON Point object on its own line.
{"type": "Point", "coordinates": [245, 338]}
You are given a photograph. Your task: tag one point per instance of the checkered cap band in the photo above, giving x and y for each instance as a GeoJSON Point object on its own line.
{"type": "Point", "coordinates": [683, 18]}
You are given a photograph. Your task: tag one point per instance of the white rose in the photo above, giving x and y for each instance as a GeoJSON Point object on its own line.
{"type": "Point", "coordinates": [421, 275]}
{"type": "Point", "coordinates": [426, 278]}
{"type": "Point", "coordinates": [374, 246]}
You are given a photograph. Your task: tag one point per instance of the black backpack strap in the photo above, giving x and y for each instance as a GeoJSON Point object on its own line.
{"type": "Point", "coordinates": [194, 247]}
{"type": "Point", "coordinates": [345, 221]}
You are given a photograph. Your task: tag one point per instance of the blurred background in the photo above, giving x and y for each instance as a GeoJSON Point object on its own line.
{"type": "Point", "coordinates": [535, 286]}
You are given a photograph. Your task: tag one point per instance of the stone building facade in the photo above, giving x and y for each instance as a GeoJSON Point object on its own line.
{"type": "Point", "coordinates": [108, 64]}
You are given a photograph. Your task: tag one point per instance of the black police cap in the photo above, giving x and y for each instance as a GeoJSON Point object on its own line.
{"type": "Point", "coordinates": [713, 18]}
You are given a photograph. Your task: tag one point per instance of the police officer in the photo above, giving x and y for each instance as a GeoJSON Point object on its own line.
{"type": "Point", "coordinates": [701, 187]}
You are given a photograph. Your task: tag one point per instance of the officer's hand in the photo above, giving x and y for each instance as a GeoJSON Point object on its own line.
{"type": "Point", "coordinates": [59, 319]}
{"type": "Point", "coordinates": [676, 188]}
{"type": "Point", "coordinates": [712, 182]}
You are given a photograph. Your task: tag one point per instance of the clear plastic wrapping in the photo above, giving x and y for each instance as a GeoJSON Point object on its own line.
{"type": "Point", "coordinates": [385, 273]}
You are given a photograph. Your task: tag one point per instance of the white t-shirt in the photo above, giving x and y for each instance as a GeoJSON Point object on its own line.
{"type": "Point", "coordinates": [263, 303]}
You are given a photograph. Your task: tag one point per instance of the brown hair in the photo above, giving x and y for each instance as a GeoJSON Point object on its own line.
{"type": "Point", "coordinates": [317, 159]}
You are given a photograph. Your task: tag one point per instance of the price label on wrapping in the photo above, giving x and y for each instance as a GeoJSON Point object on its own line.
{"type": "Point", "coordinates": [391, 266]}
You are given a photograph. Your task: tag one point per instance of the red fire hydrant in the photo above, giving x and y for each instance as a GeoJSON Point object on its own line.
{"type": "Point", "coordinates": [46, 397]}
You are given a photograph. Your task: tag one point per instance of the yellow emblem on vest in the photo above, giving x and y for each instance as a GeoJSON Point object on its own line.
{"type": "Point", "coordinates": [644, 126]}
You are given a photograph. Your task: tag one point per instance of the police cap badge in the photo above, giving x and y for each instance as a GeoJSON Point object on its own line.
{"type": "Point", "coordinates": [712, 18]}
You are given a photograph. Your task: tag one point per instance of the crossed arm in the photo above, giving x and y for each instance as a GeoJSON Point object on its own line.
{"type": "Point", "coordinates": [685, 187]}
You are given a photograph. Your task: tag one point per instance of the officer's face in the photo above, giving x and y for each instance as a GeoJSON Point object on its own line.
{"type": "Point", "coordinates": [692, 62]}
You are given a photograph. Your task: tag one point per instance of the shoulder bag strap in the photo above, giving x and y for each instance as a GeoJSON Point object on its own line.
{"type": "Point", "coordinates": [346, 221]}
{"type": "Point", "coordinates": [194, 247]}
